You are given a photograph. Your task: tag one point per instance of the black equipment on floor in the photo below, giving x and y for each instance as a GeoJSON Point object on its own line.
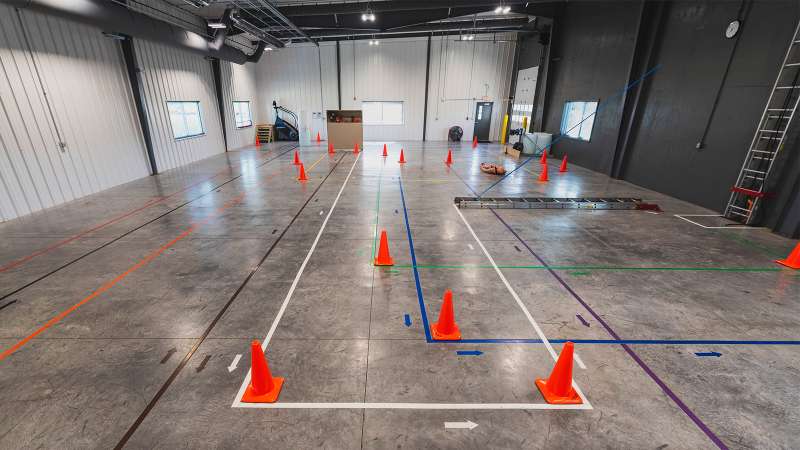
{"type": "Point", "coordinates": [286, 124]}
{"type": "Point", "coordinates": [455, 134]}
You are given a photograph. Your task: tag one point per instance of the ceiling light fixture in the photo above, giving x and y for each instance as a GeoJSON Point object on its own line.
{"type": "Point", "coordinates": [267, 49]}
{"type": "Point", "coordinates": [368, 16]}
{"type": "Point", "coordinates": [216, 25]}
{"type": "Point", "coordinates": [506, 10]}
{"type": "Point", "coordinates": [498, 10]}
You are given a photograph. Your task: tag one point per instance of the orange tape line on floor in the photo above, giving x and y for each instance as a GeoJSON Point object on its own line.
{"type": "Point", "coordinates": [108, 285]}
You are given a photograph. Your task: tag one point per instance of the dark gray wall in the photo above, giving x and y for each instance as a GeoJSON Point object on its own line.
{"type": "Point", "coordinates": [530, 52]}
{"type": "Point", "coordinates": [591, 55]}
{"type": "Point", "coordinates": [589, 60]}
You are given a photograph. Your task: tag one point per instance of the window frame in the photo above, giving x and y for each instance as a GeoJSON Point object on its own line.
{"type": "Point", "coordinates": [249, 114]}
{"type": "Point", "coordinates": [382, 123]}
{"type": "Point", "coordinates": [183, 114]}
{"type": "Point", "coordinates": [582, 121]}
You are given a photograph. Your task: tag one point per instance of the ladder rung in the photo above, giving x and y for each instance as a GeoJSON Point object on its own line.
{"type": "Point", "coordinates": [792, 65]}
{"type": "Point", "coordinates": [740, 214]}
{"type": "Point", "coordinates": [768, 137]}
{"type": "Point", "coordinates": [762, 158]}
{"type": "Point", "coordinates": [778, 117]}
{"type": "Point", "coordinates": [787, 87]}
{"type": "Point", "coordinates": [762, 151]}
{"type": "Point", "coordinates": [772, 131]}
{"type": "Point", "coordinates": [777, 109]}
{"type": "Point", "coordinates": [755, 171]}
{"type": "Point", "coordinates": [739, 207]}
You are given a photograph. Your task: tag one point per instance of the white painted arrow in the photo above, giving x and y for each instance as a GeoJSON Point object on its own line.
{"type": "Point", "coordinates": [235, 363]}
{"type": "Point", "coordinates": [464, 425]}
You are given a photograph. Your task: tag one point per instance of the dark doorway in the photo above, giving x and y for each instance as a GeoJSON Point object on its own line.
{"type": "Point", "coordinates": [483, 120]}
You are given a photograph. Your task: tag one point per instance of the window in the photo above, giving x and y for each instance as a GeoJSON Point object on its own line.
{"type": "Point", "coordinates": [578, 120]}
{"type": "Point", "coordinates": [241, 114]}
{"type": "Point", "coordinates": [185, 119]}
{"type": "Point", "coordinates": [382, 113]}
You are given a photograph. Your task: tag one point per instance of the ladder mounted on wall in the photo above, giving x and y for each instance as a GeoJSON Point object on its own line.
{"type": "Point", "coordinates": [748, 192]}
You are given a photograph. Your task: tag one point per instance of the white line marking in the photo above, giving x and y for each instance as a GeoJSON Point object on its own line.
{"type": "Point", "coordinates": [522, 306]}
{"type": "Point", "coordinates": [235, 363]}
{"type": "Point", "coordinates": [468, 425]}
{"type": "Point", "coordinates": [684, 217]}
{"type": "Point", "coordinates": [452, 406]}
{"type": "Point", "coordinates": [470, 247]}
{"type": "Point", "coordinates": [653, 212]}
{"type": "Point", "coordinates": [322, 212]}
{"type": "Point", "coordinates": [579, 360]}
{"type": "Point", "coordinates": [289, 294]}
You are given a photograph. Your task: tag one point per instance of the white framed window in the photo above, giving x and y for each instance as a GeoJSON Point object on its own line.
{"type": "Point", "coordinates": [578, 120]}
{"type": "Point", "coordinates": [382, 113]}
{"type": "Point", "coordinates": [185, 119]}
{"type": "Point", "coordinates": [241, 115]}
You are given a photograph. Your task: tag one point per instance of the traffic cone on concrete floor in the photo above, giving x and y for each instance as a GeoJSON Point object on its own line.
{"type": "Point", "coordinates": [474, 141]}
{"type": "Point", "coordinates": [449, 159]}
{"type": "Point", "coordinates": [543, 175]}
{"type": "Point", "coordinates": [385, 153]}
{"type": "Point", "coordinates": [258, 142]}
{"type": "Point", "coordinates": [355, 148]}
{"type": "Point", "coordinates": [558, 388]}
{"type": "Point", "coordinates": [330, 148]}
{"type": "Point", "coordinates": [263, 387]}
{"type": "Point", "coordinates": [402, 157]}
{"type": "Point", "coordinates": [793, 260]}
{"type": "Point", "coordinates": [302, 176]}
{"type": "Point", "coordinates": [296, 158]}
{"type": "Point", "coordinates": [563, 164]}
{"type": "Point", "coordinates": [383, 258]}
{"type": "Point", "coordinates": [319, 139]}
{"type": "Point", "coordinates": [544, 157]}
{"type": "Point", "coordinates": [446, 329]}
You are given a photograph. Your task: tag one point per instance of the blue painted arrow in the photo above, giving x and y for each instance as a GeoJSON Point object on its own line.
{"type": "Point", "coordinates": [717, 354]}
{"type": "Point", "coordinates": [469, 352]}
{"type": "Point", "coordinates": [408, 320]}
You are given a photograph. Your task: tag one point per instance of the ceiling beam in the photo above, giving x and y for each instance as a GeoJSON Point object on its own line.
{"type": "Point", "coordinates": [393, 5]}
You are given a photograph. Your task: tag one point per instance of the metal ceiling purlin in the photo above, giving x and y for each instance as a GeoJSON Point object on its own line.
{"type": "Point", "coordinates": [272, 20]}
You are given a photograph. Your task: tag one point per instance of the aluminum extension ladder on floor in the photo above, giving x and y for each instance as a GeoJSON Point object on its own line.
{"type": "Point", "coordinates": [749, 190]}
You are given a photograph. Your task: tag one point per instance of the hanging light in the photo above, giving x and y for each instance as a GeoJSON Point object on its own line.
{"type": "Point", "coordinates": [498, 10]}
{"type": "Point", "coordinates": [506, 10]}
{"type": "Point", "coordinates": [364, 17]}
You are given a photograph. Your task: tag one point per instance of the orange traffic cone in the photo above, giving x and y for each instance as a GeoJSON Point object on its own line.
{"type": "Point", "coordinates": [544, 157]}
{"type": "Point", "coordinates": [543, 175]}
{"type": "Point", "coordinates": [296, 158]}
{"type": "Point", "coordinates": [446, 329]}
{"type": "Point", "coordinates": [563, 164]}
{"type": "Point", "coordinates": [263, 388]}
{"type": "Point", "coordinates": [319, 139]}
{"type": "Point", "coordinates": [383, 258]}
{"type": "Point", "coordinates": [330, 148]}
{"type": "Point", "coordinates": [449, 159]}
{"type": "Point", "coordinates": [258, 142]}
{"type": "Point", "coordinates": [385, 153]}
{"type": "Point", "coordinates": [558, 388]}
{"type": "Point", "coordinates": [793, 260]}
{"type": "Point", "coordinates": [302, 176]}
{"type": "Point", "coordinates": [355, 148]}
{"type": "Point", "coordinates": [402, 158]}
{"type": "Point", "coordinates": [474, 141]}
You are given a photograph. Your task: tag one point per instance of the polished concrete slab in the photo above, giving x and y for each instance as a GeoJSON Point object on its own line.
{"type": "Point", "coordinates": [126, 317]}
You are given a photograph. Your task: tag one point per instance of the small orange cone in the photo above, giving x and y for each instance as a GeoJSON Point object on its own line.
{"type": "Point", "coordinates": [330, 148]}
{"type": "Point", "coordinates": [474, 141]}
{"type": "Point", "coordinates": [302, 176]}
{"type": "Point", "coordinates": [319, 139]}
{"type": "Point", "coordinates": [544, 157]}
{"type": "Point", "coordinates": [263, 387]}
{"type": "Point", "coordinates": [383, 258]}
{"type": "Point", "coordinates": [449, 159]}
{"type": "Point", "coordinates": [258, 142]}
{"type": "Point", "coordinates": [563, 164]}
{"type": "Point", "coordinates": [793, 260]}
{"type": "Point", "coordinates": [446, 329]}
{"type": "Point", "coordinates": [402, 157]}
{"type": "Point", "coordinates": [355, 148]}
{"type": "Point", "coordinates": [385, 153]}
{"type": "Point", "coordinates": [296, 158]}
{"type": "Point", "coordinates": [543, 175]}
{"type": "Point", "coordinates": [558, 388]}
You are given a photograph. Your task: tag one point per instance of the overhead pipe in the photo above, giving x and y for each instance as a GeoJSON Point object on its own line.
{"type": "Point", "coordinates": [114, 18]}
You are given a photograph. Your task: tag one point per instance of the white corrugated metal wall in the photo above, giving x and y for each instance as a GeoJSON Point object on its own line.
{"type": "Point", "coordinates": [394, 70]}
{"type": "Point", "coordinates": [82, 73]}
{"type": "Point", "coordinates": [171, 74]}
{"type": "Point", "coordinates": [291, 76]}
{"type": "Point", "coordinates": [239, 84]}
{"type": "Point", "coordinates": [463, 73]}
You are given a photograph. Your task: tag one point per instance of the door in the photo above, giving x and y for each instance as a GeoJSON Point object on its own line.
{"type": "Point", "coordinates": [483, 120]}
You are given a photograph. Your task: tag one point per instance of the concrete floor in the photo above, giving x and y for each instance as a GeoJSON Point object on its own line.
{"type": "Point", "coordinates": [121, 314]}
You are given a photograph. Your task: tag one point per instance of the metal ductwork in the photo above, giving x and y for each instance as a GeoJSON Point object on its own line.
{"type": "Point", "coordinates": [114, 18]}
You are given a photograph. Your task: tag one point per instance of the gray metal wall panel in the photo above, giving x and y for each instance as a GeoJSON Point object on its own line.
{"type": "Point", "coordinates": [239, 84]}
{"type": "Point", "coordinates": [172, 74]}
{"type": "Point", "coordinates": [82, 74]}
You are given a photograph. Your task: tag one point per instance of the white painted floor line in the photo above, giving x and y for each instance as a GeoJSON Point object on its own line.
{"type": "Point", "coordinates": [684, 217]}
{"type": "Point", "coordinates": [578, 360]}
{"type": "Point", "coordinates": [289, 294]}
{"type": "Point", "coordinates": [522, 306]}
{"type": "Point", "coordinates": [361, 405]}
{"type": "Point", "coordinates": [470, 247]}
